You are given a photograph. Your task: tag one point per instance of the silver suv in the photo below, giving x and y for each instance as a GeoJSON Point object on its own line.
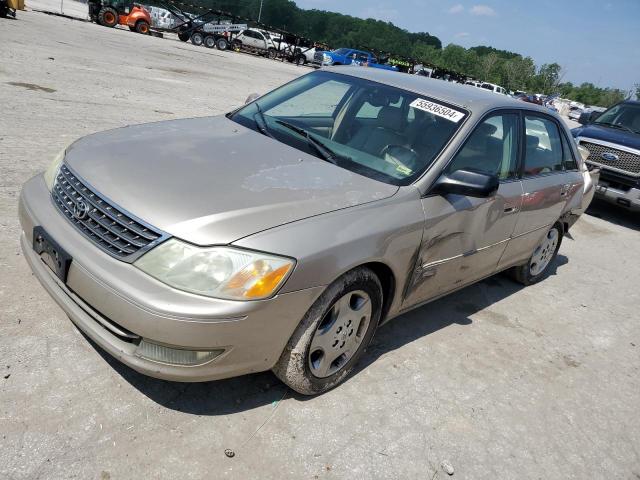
{"type": "Point", "coordinates": [281, 235]}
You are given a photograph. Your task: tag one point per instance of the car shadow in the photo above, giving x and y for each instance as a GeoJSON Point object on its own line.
{"type": "Point", "coordinates": [251, 391]}
{"type": "Point", "coordinates": [614, 214]}
{"type": "Point", "coordinates": [454, 309]}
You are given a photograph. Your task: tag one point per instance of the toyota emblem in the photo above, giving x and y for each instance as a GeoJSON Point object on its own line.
{"type": "Point", "coordinates": [80, 210]}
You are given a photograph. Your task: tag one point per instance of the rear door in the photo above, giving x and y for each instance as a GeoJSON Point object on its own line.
{"type": "Point", "coordinates": [464, 237]}
{"type": "Point", "coordinates": [548, 181]}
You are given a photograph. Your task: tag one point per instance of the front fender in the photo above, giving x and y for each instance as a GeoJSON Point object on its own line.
{"type": "Point", "coordinates": [387, 231]}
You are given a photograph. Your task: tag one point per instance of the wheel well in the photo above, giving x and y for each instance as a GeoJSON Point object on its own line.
{"type": "Point", "coordinates": [388, 281]}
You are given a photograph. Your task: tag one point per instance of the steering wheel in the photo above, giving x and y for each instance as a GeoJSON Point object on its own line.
{"type": "Point", "coordinates": [404, 158]}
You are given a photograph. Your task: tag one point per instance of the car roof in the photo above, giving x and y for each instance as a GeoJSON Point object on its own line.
{"type": "Point", "coordinates": [476, 100]}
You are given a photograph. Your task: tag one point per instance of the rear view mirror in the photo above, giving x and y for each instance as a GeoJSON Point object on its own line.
{"type": "Point", "coordinates": [252, 97]}
{"type": "Point", "coordinates": [467, 182]}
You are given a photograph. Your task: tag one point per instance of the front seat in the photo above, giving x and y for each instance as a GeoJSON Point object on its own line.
{"type": "Point", "coordinates": [373, 139]}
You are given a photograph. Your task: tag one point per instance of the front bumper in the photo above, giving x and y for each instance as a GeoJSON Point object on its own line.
{"type": "Point", "coordinates": [113, 303]}
{"type": "Point", "coordinates": [629, 199]}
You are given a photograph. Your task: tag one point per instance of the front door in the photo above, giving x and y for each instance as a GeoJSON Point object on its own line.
{"type": "Point", "coordinates": [550, 179]}
{"type": "Point", "coordinates": [464, 237]}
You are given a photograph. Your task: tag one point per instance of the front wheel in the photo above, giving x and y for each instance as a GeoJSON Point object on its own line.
{"type": "Point", "coordinates": [333, 334]}
{"type": "Point", "coordinates": [142, 27]}
{"type": "Point", "coordinates": [183, 36]}
{"type": "Point", "coordinates": [537, 267]}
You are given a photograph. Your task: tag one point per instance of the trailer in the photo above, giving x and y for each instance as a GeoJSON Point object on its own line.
{"type": "Point", "coordinates": [212, 28]}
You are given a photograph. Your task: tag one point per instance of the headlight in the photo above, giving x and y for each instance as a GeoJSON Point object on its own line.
{"type": "Point", "coordinates": [51, 172]}
{"type": "Point", "coordinates": [327, 59]}
{"type": "Point", "coordinates": [219, 272]}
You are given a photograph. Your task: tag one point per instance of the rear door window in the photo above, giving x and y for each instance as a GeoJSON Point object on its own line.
{"type": "Point", "coordinates": [543, 151]}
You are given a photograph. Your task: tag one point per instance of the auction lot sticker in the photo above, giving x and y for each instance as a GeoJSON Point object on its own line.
{"type": "Point", "coordinates": [437, 109]}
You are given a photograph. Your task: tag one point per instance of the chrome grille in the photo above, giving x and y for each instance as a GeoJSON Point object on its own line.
{"type": "Point", "coordinates": [114, 231]}
{"type": "Point", "coordinates": [627, 162]}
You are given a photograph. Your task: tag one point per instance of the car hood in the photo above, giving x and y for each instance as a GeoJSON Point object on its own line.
{"type": "Point", "coordinates": [608, 134]}
{"type": "Point", "coordinates": [212, 181]}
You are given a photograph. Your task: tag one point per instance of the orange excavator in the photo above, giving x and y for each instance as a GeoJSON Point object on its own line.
{"type": "Point", "coordinates": [118, 12]}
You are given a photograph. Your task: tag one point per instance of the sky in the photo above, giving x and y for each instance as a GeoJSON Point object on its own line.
{"type": "Point", "coordinates": [594, 41]}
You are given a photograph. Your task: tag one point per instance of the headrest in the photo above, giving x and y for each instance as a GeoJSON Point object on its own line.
{"type": "Point", "coordinates": [390, 117]}
{"type": "Point", "coordinates": [383, 97]}
{"type": "Point", "coordinates": [532, 141]}
{"type": "Point", "coordinates": [486, 130]}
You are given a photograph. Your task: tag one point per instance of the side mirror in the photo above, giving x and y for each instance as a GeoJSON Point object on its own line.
{"type": "Point", "coordinates": [252, 97]}
{"type": "Point", "coordinates": [468, 183]}
{"type": "Point", "coordinates": [594, 116]}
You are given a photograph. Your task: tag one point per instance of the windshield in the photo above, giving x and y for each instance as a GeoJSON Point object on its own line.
{"type": "Point", "coordinates": [624, 115]}
{"type": "Point", "coordinates": [376, 130]}
{"type": "Point", "coordinates": [342, 51]}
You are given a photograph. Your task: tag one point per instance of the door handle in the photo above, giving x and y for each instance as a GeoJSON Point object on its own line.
{"type": "Point", "coordinates": [510, 209]}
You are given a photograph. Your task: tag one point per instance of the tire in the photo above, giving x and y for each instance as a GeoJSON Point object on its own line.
{"type": "Point", "coordinates": [303, 365]}
{"type": "Point", "coordinates": [301, 59]}
{"type": "Point", "coordinates": [142, 27]}
{"type": "Point", "coordinates": [108, 17]}
{"type": "Point", "coordinates": [271, 53]}
{"type": "Point", "coordinates": [532, 272]}
{"type": "Point", "coordinates": [197, 38]}
{"type": "Point", "coordinates": [184, 36]}
{"type": "Point", "coordinates": [222, 44]}
{"type": "Point", "coordinates": [209, 41]}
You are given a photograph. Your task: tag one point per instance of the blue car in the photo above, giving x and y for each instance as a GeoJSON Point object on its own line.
{"type": "Point", "coordinates": [349, 56]}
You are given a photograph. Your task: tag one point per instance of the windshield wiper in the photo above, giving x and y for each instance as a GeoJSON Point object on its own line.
{"type": "Point", "coordinates": [322, 149]}
{"type": "Point", "coordinates": [261, 123]}
{"type": "Point", "coordinates": [326, 153]}
{"type": "Point", "coordinates": [616, 125]}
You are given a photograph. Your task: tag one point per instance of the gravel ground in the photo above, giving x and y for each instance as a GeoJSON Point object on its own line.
{"type": "Point", "coordinates": [497, 381]}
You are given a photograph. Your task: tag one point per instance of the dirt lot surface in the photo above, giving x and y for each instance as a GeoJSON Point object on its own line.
{"type": "Point", "coordinates": [497, 380]}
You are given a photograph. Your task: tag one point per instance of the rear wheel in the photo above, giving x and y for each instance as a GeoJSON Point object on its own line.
{"type": "Point", "coordinates": [183, 36]}
{"type": "Point", "coordinates": [142, 26]}
{"type": "Point", "coordinates": [197, 38]}
{"type": "Point", "coordinates": [209, 41]}
{"type": "Point", "coordinates": [333, 334]}
{"type": "Point", "coordinates": [222, 44]}
{"type": "Point", "coordinates": [271, 53]}
{"type": "Point", "coordinates": [537, 267]}
{"type": "Point", "coordinates": [108, 17]}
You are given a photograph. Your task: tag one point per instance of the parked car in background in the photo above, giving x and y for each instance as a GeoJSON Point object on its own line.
{"type": "Point", "coordinates": [494, 88]}
{"type": "Point", "coordinates": [259, 41]}
{"type": "Point", "coordinates": [301, 222]}
{"type": "Point", "coordinates": [613, 141]}
{"type": "Point", "coordinates": [574, 113]}
{"type": "Point", "coordinates": [349, 56]}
